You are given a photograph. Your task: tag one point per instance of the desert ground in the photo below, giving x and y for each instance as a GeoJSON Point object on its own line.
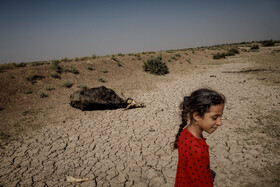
{"type": "Point", "coordinates": [43, 139]}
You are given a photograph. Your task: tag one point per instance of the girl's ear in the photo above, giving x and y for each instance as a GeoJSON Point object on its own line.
{"type": "Point", "coordinates": [196, 116]}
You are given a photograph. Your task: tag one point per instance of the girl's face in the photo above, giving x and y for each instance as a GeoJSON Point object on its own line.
{"type": "Point", "coordinates": [212, 119]}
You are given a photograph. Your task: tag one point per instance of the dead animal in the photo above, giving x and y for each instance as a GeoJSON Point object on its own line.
{"type": "Point", "coordinates": [101, 98]}
{"type": "Point", "coordinates": [131, 103]}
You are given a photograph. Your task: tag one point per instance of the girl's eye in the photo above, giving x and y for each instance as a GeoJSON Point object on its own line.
{"type": "Point", "coordinates": [215, 117]}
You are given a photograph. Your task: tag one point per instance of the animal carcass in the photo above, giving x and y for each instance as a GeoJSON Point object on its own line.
{"type": "Point", "coordinates": [100, 98]}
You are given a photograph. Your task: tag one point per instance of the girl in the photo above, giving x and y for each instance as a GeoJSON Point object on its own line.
{"type": "Point", "coordinates": [201, 111]}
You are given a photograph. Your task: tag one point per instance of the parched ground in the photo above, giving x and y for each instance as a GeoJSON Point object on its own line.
{"type": "Point", "coordinates": [45, 139]}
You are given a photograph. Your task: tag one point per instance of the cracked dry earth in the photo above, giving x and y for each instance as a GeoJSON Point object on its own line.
{"type": "Point", "coordinates": [132, 148]}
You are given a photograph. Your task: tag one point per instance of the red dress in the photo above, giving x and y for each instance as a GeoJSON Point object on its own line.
{"type": "Point", "coordinates": [193, 167]}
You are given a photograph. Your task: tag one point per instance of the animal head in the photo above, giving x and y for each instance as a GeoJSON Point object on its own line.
{"type": "Point", "coordinates": [131, 103]}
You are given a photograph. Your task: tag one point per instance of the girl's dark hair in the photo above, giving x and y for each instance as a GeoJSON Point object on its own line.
{"type": "Point", "coordinates": [199, 101]}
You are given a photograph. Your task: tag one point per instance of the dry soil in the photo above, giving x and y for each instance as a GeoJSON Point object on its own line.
{"type": "Point", "coordinates": [45, 139]}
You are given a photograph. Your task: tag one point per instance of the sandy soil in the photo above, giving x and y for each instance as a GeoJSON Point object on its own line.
{"type": "Point", "coordinates": [45, 139]}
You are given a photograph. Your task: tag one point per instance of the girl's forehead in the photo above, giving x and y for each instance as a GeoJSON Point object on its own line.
{"type": "Point", "coordinates": [217, 109]}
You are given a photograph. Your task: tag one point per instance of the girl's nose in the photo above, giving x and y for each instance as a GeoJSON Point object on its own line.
{"type": "Point", "coordinates": [219, 122]}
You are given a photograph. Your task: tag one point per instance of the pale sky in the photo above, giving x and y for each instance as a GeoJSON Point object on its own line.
{"type": "Point", "coordinates": [36, 30]}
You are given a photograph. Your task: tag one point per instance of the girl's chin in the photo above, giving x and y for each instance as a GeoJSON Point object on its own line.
{"type": "Point", "coordinates": [210, 131]}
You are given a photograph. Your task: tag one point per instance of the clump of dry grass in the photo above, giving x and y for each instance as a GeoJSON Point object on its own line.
{"type": "Point", "coordinates": [90, 67]}
{"type": "Point", "coordinates": [55, 66]}
{"type": "Point", "coordinates": [67, 84]}
{"type": "Point", "coordinates": [71, 69]}
{"type": "Point", "coordinates": [102, 80]}
{"type": "Point", "coordinates": [43, 95]}
{"type": "Point", "coordinates": [49, 88]}
{"type": "Point", "coordinates": [55, 75]}
{"type": "Point", "coordinates": [114, 59]}
{"type": "Point", "coordinates": [33, 77]}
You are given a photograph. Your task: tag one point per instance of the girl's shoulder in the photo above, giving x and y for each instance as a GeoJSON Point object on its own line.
{"type": "Point", "coordinates": [187, 135]}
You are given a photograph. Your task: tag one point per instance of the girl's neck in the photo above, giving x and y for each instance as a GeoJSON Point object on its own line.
{"type": "Point", "coordinates": [195, 130]}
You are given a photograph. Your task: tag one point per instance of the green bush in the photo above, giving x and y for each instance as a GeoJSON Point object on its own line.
{"type": "Point", "coordinates": [66, 69]}
{"type": "Point", "coordinates": [233, 50]}
{"type": "Point", "coordinates": [267, 43]}
{"type": "Point", "coordinates": [55, 66]}
{"type": "Point", "coordinates": [170, 51]}
{"type": "Point", "coordinates": [65, 59]}
{"type": "Point", "coordinates": [33, 77]}
{"type": "Point", "coordinates": [42, 95]}
{"type": "Point", "coordinates": [177, 55]}
{"type": "Point", "coordinates": [38, 63]}
{"type": "Point", "coordinates": [6, 66]}
{"type": "Point", "coordinates": [102, 80]}
{"type": "Point", "coordinates": [230, 52]}
{"type": "Point", "coordinates": [219, 55]}
{"type": "Point", "coordinates": [22, 64]}
{"type": "Point", "coordinates": [82, 86]}
{"type": "Point", "coordinates": [68, 84]}
{"type": "Point", "coordinates": [84, 58]}
{"type": "Point", "coordinates": [255, 46]}
{"type": "Point", "coordinates": [155, 66]}
{"type": "Point", "coordinates": [114, 58]}
{"type": "Point", "coordinates": [73, 70]}
{"type": "Point", "coordinates": [49, 88]}
{"type": "Point", "coordinates": [12, 66]}
{"type": "Point", "coordinates": [55, 75]}
{"type": "Point", "coordinates": [89, 67]}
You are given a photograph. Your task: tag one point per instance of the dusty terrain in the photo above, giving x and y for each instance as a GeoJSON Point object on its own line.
{"type": "Point", "coordinates": [45, 139]}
